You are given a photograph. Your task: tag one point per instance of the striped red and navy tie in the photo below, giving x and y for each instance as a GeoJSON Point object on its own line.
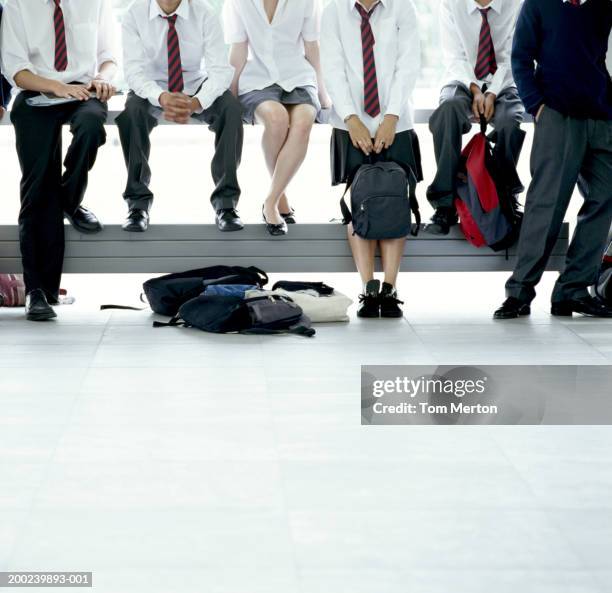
{"type": "Point", "coordinates": [370, 80]}
{"type": "Point", "coordinates": [175, 67]}
{"type": "Point", "coordinates": [61, 51]}
{"type": "Point", "coordinates": [485, 62]}
{"type": "Point", "coordinates": [576, 2]}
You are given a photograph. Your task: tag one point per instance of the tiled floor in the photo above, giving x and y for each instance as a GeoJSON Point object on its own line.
{"type": "Point", "coordinates": [167, 460]}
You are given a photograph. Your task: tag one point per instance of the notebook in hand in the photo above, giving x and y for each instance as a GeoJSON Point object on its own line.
{"type": "Point", "coordinates": [49, 99]}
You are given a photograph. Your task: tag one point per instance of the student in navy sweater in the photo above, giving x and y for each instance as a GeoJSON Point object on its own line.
{"type": "Point", "coordinates": [569, 92]}
{"type": "Point", "coordinates": [5, 87]}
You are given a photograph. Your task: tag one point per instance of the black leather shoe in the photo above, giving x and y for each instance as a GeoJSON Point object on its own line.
{"type": "Point", "coordinates": [37, 308]}
{"type": "Point", "coordinates": [370, 301]}
{"type": "Point", "coordinates": [289, 217]}
{"type": "Point", "coordinates": [228, 220]}
{"type": "Point", "coordinates": [276, 230]}
{"type": "Point", "coordinates": [137, 221]}
{"type": "Point", "coordinates": [512, 309]}
{"type": "Point", "coordinates": [84, 221]}
{"type": "Point", "coordinates": [389, 303]}
{"type": "Point", "coordinates": [442, 221]}
{"type": "Point", "coordinates": [587, 305]}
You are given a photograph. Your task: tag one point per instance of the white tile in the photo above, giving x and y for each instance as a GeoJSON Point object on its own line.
{"type": "Point", "coordinates": [48, 355]}
{"type": "Point", "coordinates": [144, 541]}
{"type": "Point", "coordinates": [589, 533]}
{"type": "Point", "coordinates": [366, 486]}
{"type": "Point", "coordinates": [207, 381]}
{"type": "Point", "coordinates": [159, 486]}
{"type": "Point", "coordinates": [12, 523]}
{"type": "Point", "coordinates": [429, 540]}
{"type": "Point", "coordinates": [20, 482]}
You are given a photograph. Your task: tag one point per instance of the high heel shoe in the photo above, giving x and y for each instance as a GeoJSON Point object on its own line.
{"type": "Point", "coordinates": [276, 230]}
{"type": "Point", "coordinates": [289, 217]}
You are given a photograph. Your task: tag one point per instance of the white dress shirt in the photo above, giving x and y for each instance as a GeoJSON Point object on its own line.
{"type": "Point", "coordinates": [204, 56]}
{"type": "Point", "coordinates": [396, 51]}
{"type": "Point", "coordinates": [460, 22]}
{"type": "Point", "coordinates": [276, 49]}
{"type": "Point", "coordinates": [28, 38]}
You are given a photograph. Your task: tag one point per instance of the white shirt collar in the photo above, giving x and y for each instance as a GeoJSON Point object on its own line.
{"type": "Point", "coordinates": [352, 3]}
{"type": "Point", "coordinates": [581, 1]}
{"type": "Point", "coordinates": [155, 10]}
{"type": "Point", "coordinates": [496, 5]}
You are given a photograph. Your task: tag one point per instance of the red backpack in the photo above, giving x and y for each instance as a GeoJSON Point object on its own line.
{"type": "Point", "coordinates": [488, 213]}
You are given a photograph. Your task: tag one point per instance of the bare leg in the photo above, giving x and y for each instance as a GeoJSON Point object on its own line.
{"type": "Point", "coordinates": [391, 252]}
{"type": "Point", "coordinates": [364, 253]}
{"type": "Point", "coordinates": [275, 119]}
{"type": "Point", "coordinates": [290, 158]}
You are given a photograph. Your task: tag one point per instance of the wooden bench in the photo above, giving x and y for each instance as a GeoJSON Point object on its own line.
{"type": "Point", "coordinates": [307, 248]}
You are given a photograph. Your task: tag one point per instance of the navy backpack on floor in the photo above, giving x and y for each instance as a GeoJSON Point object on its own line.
{"type": "Point", "coordinates": [167, 293]}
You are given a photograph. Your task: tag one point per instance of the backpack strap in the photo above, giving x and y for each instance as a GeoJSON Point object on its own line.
{"type": "Point", "coordinates": [414, 202]}
{"type": "Point", "coordinates": [298, 330]}
{"type": "Point", "coordinates": [126, 307]}
{"type": "Point", "coordinates": [174, 322]}
{"type": "Point", "coordinates": [122, 308]}
{"type": "Point", "coordinates": [347, 217]}
{"type": "Point", "coordinates": [262, 275]}
{"type": "Point", "coordinates": [483, 125]}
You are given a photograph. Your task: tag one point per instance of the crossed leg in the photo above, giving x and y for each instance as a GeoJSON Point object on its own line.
{"type": "Point", "coordinates": [285, 143]}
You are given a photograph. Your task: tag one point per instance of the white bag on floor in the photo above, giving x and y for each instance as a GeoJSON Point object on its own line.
{"type": "Point", "coordinates": [319, 308]}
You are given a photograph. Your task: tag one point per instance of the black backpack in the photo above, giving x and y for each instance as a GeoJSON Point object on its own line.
{"type": "Point", "coordinates": [167, 293]}
{"type": "Point", "coordinates": [383, 195]}
{"type": "Point", "coordinates": [229, 314]}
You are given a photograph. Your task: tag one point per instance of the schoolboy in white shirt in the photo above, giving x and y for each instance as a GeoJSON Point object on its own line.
{"type": "Point", "coordinates": [65, 48]}
{"type": "Point", "coordinates": [176, 63]}
{"type": "Point", "coordinates": [476, 43]}
{"type": "Point", "coordinates": [275, 52]}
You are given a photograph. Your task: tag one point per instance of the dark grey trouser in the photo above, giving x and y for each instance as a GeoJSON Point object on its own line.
{"type": "Point", "coordinates": [453, 119]}
{"type": "Point", "coordinates": [223, 117]}
{"type": "Point", "coordinates": [46, 192]}
{"type": "Point", "coordinates": [565, 151]}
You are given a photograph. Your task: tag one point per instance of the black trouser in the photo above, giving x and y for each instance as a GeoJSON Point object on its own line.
{"type": "Point", "coordinates": [565, 151]}
{"type": "Point", "coordinates": [453, 119]}
{"type": "Point", "coordinates": [224, 118]}
{"type": "Point", "coordinates": [46, 193]}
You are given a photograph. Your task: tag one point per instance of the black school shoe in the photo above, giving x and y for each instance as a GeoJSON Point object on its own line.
{"type": "Point", "coordinates": [442, 221]}
{"type": "Point", "coordinates": [228, 221]}
{"type": "Point", "coordinates": [370, 301]}
{"type": "Point", "coordinates": [389, 303]}
{"type": "Point", "coordinates": [512, 308]}
{"type": "Point", "coordinates": [84, 221]}
{"type": "Point", "coordinates": [587, 306]}
{"type": "Point", "coordinates": [289, 217]}
{"type": "Point", "coordinates": [37, 307]}
{"type": "Point", "coordinates": [137, 221]}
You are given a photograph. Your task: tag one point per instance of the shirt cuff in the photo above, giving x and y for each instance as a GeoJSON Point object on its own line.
{"type": "Point", "coordinates": [207, 97]}
{"type": "Point", "coordinates": [236, 38]}
{"type": "Point", "coordinates": [154, 94]}
{"type": "Point", "coordinates": [344, 111]}
{"type": "Point", "coordinates": [107, 57]}
{"type": "Point", "coordinates": [495, 88]}
{"type": "Point", "coordinates": [311, 36]}
{"type": "Point", "coordinates": [10, 76]}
